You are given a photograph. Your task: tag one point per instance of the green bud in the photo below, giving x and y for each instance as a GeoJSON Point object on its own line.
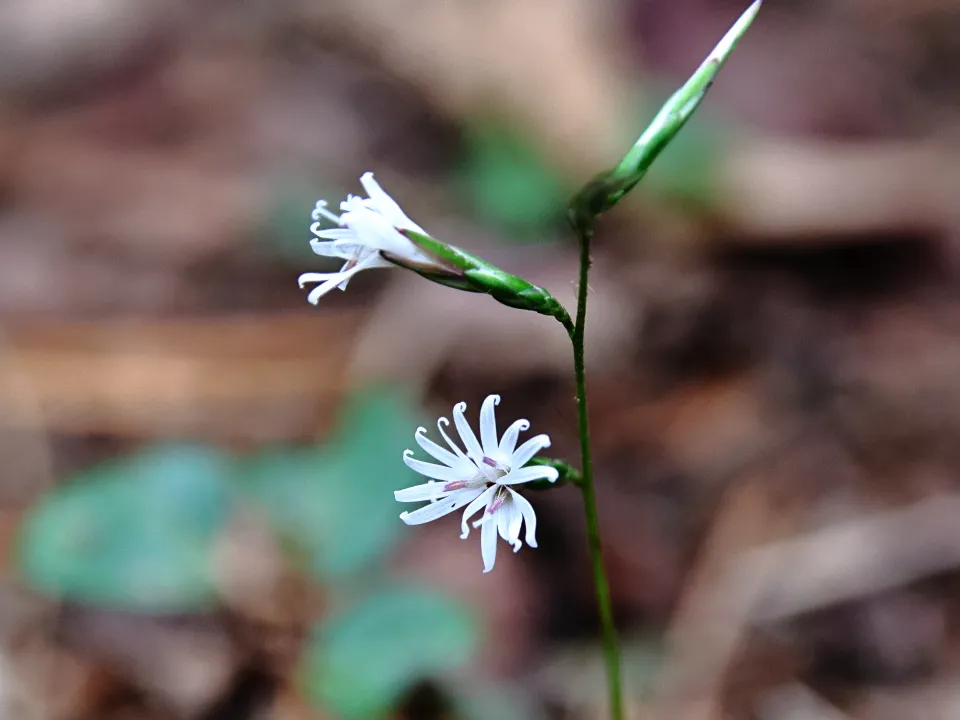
{"type": "Point", "coordinates": [466, 271]}
{"type": "Point", "coordinates": [607, 188]}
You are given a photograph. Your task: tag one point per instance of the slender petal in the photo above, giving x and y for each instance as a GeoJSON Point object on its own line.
{"type": "Point", "coordinates": [466, 434]}
{"type": "Point", "coordinates": [488, 425]}
{"type": "Point", "coordinates": [481, 501]}
{"type": "Point", "coordinates": [509, 521]}
{"type": "Point", "coordinates": [523, 454]}
{"type": "Point", "coordinates": [328, 281]}
{"type": "Point", "coordinates": [316, 277]}
{"type": "Point", "coordinates": [330, 248]}
{"type": "Point", "coordinates": [337, 233]}
{"type": "Point", "coordinates": [444, 456]}
{"type": "Point", "coordinates": [527, 474]}
{"type": "Point", "coordinates": [437, 472]}
{"type": "Point", "coordinates": [418, 493]}
{"type": "Point", "coordinates": [509, 440]}
{"type": "Point", "coordinates": [374, 231]}
{"type": "Point", "coordinates": [529, 517]}
{"type": "Point", "coordinates": [438, 509]}
{"type": "Point", "coordinates": [386, 204]}
{"type": "Point", "coordinates": [488, 545]}
{"type": "Point", "coordinates": [342, 249]}
{"type": "Point", "coordinates": [441, 422]}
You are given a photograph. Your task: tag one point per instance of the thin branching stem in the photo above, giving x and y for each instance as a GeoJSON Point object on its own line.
{"type": "Point", "coordinates": [611, 647]}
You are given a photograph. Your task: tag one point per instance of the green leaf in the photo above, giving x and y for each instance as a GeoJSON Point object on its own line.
{"type": "Point", "coordinates": [361, 661]}
{"type": "Point", "coordinates": [135, 533]}
{"type": "Point", "coordinates": [335, 503]}
{"type": "Point", "coordinates": [509, 184]}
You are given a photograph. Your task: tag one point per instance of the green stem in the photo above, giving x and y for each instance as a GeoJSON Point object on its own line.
{"type": "Point", "coordinates": [611, 649]}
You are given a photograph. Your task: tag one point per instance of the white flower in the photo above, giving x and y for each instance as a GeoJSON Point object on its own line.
{"type": "Point", "coordinates": [369, 231]}
{"type": "Point", "coordinates": [480, 478]}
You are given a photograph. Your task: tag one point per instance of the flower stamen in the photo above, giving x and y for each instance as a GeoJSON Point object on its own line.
{"type": "Point", "coordinates": [321, 211]}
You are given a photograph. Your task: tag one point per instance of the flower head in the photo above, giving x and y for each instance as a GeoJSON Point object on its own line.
{"type": "Point", "coordinates": [480, 476]}
{"type": "Point", "coordinates": [369, 234]}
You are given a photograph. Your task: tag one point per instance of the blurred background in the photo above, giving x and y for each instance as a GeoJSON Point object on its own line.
{"type": "Point", "coordinates": [196, 511]}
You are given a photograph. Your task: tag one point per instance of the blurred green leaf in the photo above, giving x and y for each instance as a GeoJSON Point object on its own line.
{"type": "Point", "coordinates": [134, 533]}
{"type": "Point", "coordinates": [508, 183]}
{"type": "Point", "coordinates": [361, 661]}
{"type": "Point", "coordinates": [335, 503]}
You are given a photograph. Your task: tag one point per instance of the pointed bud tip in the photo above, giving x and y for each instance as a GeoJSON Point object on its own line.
{"type": "Point", "coordinates": [723, 48]}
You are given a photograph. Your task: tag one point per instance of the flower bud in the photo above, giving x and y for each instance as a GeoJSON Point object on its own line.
{"type": "Point", "coordinates": [606, 189]}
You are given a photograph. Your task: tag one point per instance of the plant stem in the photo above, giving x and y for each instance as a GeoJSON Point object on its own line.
{"type": "Point", "coordinates": [611, 650]}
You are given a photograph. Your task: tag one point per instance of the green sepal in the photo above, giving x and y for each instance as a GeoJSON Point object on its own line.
{"type": "Point", "coordinates": [466, 271]}
{"type": "Point", "coordinates": [568, 475]}
{"type": "Point", "coordinates": [606, 189]}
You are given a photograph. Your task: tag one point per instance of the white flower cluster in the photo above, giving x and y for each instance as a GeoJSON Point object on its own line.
{"type": "Point", "coordinates": [373, 232]}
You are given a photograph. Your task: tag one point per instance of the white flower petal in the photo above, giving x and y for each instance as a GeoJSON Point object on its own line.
{"type": "Point", "coordinates": [441, 422]}
{"type": "Point", "coordinates": [335, 233]}
{"type": "Point", "coordinates": [509, 440]}
{"type": "Point", "coordinates": [488, 425]}
{"type": "Point", "coordinates": [481, 501]}
{"type": "Point", "coordinates": [522, 455]}
{"type": "Point", "coordinates": [528, 474]}
{"type": "Point", "coordinates": [339, 249]}
{"type": "Point", "coordinates": [386, 205]}
{"type": "Point", "coordinates": [418, 493]}
{"type": "Point", "coordinates": [444, 456]}
{"type": "Point", "coordinates": [488, 545]}
{"type": "Point", "coordinates": [529, 516]}
{"type": "Point", "coordinates": [328, 249]}
{"type": "Point", "coordinates": [453, 502]}
{"type": "Point", "coordinates": [316, 277]}
{"type": "Point", "coordinates": [328, 281]}
{"type": "Point", "coordinates": [366, 261]}
{"type": "Point", "coordinates": [509, 521]}
{"type": "Point", "coordinates": [379, 197]}
{"type": "Point", "coordinates": [437, 472]}
{"type": "Point", "coordinates": [375, 231]}
{"type": "Point", "coordinates": [474, 451]}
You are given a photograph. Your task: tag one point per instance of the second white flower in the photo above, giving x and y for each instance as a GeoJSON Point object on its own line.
{"type": "Point", "coordinates": [479, 476]}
